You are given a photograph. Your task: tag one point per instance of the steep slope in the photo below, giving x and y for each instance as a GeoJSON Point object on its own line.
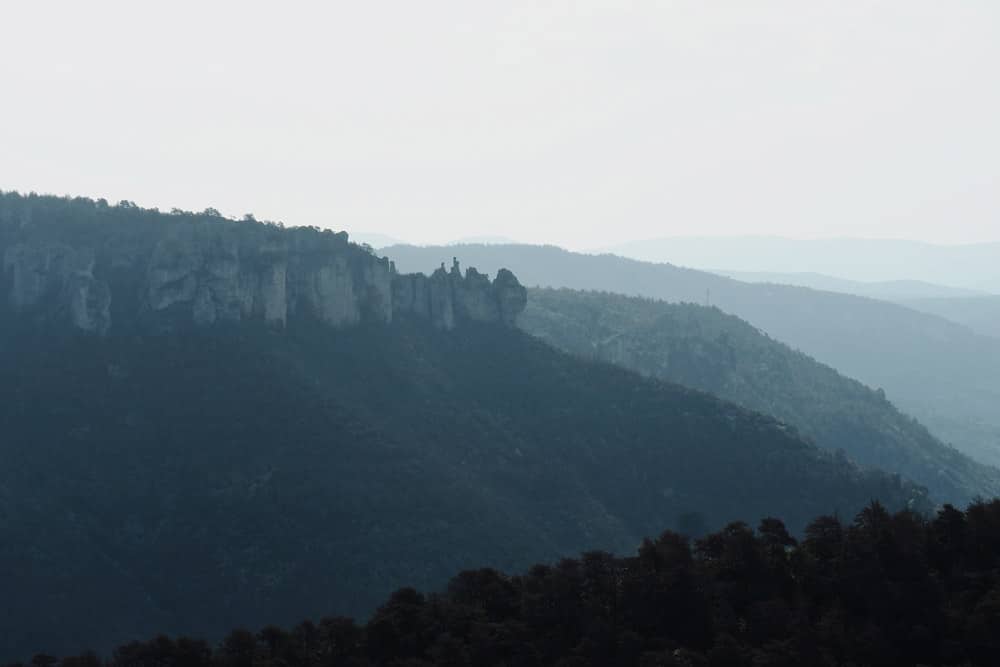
{"type": "Point", "coordinates": [706, 349]}
{"type": "Point", "coordinates": [185, 475]}
{"type": "Point", "coordinates": [940, 372]}
{"type": "Point", "coordinates": [235, 476]}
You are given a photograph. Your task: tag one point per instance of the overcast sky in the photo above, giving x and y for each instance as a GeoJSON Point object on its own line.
{"type": "Point", "coordinates": [583, 123]}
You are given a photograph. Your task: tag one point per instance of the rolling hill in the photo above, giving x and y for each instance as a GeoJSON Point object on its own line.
{"type": "Point", "coordinates": [941, 372]}
{"type": "Point", "coordinates": [979, 313]}
{"type": "Point", "coordinates": [706, 349]}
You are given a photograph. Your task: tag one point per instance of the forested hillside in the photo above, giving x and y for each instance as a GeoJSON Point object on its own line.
{"type": "Point", "coordinates": [190, 483]}
{"type": "Point", "coordinates": [938, 371]}
{"type": "Point", "coordinates": [881, 590]}
{"type": "Point", "coordinates": [706, 349]}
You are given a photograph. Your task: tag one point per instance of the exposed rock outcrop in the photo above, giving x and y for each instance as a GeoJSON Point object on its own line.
{"type": "Point", "coordinates": [201, 270]}
{"type": "Point", "coordinates": [210, 275]}
{"type": "Point", "coordinates": [62, 277]}
{"type": "Point", "coordinates": [447, 297]}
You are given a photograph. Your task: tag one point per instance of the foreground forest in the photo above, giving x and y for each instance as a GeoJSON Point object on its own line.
{"type": "Point", "coordinates": [884, 589]}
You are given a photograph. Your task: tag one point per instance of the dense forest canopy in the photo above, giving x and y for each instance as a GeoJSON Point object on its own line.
{"type": "Point", "coordinates": [703, 348]}
{"type": "Point", "coordinates": [883, 589]}
{"type": "Point", "coordinates": [250, 476]}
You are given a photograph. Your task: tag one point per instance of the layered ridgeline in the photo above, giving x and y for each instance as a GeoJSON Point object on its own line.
{"type": "Point", "coordinates": [239, 457]}
{"type": "Point", "coordinates": [706, 349]}
{"type": "Point", "coordinates": [939, 371]}
{"type": "Point", "coordinates": [888, 290]}
{"type": "Point", "coordinates": [974, 266]}
{"type": "Point", "coordinates": [979, 313]}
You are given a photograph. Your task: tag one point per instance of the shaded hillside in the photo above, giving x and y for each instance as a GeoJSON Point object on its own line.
{"type": "Point", "coordinates": [237, 476]}
{"type": "Point", "coordinates": [706, 349]}
{"type": "Point", "coordinates": [882, 590]}
{"type": "Point", "coordinates": [210, 423]}
{"type": "Point", "coordinates": [940, 372]}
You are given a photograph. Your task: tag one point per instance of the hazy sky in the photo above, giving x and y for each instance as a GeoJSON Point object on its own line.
{"type": "Point", "coordinates": [580, 123]}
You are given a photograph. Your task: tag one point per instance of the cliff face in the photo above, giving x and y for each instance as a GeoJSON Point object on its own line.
{"type": "Point", "coordinates": [183, 270]}
{"type": "Point", "coordinates": [62, 275]}
{"type": "Point", "coordinates": [217, 273]}
{"type": "Point", "coordinates": [447, 297]}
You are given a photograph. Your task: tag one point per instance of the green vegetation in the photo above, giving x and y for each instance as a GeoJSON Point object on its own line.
{"type": "Point", "coordinates": [706, 349]}
{"type": "Point", "coordinates": [189, 483]}
{"type": "Point", "coordinates": [882, 590]}
{"type": "Point", "coordinates": [164, 476]}
{"type": "Point", "coordinates": [938, 371]}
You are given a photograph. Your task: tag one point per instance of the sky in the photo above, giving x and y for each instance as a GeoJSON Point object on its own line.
{"type": "Point", "coordinates": [583, 124]}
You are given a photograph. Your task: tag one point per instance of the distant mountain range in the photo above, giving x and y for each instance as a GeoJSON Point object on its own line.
{"type": "Point", "coordinates": [970, 266]}
{"type": "Point", "coordinates": [887, 290]}
{"type": "Point", "coordinates": [939, 371]}
{"type": "Point", "coordinates": [978, 311]}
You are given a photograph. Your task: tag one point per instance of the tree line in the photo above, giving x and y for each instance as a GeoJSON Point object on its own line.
{"type": "Point", "coordinates": [882, 589]}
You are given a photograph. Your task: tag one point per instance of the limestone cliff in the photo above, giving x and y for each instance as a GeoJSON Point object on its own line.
{"type": "Point", "coordinates": [63, 276]}
{"type": "Point", "coordinates": [447, 297]}
{"type": "Point", "coordinates": [95, 267]}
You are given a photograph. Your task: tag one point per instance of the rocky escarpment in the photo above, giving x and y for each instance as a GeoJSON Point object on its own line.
{"type": "Point", "coordinates": [447, 297]}
{"type": "Point", "coordinates": [112, 266]}
{"type": "Point", "coordinates": [62, 276]}
{"type": "Point", "coordinates": [216, 273]}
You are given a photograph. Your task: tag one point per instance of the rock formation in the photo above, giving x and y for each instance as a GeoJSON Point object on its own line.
{"type": "Point", "coordinates": [448, 297]}
{"type": "Point", "coordinates": [62, 277]}
{"type": "Point", "coordinates": [177, 270]}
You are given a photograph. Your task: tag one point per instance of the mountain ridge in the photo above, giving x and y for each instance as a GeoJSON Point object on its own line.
{"type": "Point", "coordinates": [937, 370]}
{"type": "Point", "coordinates": [900, 290]}
{"type": "Point", "coordinates": [968, 265]}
